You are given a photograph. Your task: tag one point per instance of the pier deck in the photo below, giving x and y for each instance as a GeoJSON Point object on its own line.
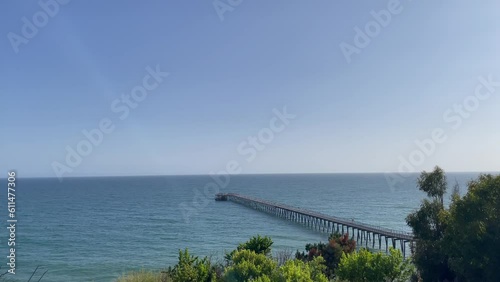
{"type": "Point", "coordinates": [363, 233]}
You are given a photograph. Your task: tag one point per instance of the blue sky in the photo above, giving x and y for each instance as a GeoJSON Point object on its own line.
{"type": "Point", "coordinates": [226, 77]}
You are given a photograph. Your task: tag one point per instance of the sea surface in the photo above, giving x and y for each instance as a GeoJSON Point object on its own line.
{"type": "Point", "coordinates": [98, 228]}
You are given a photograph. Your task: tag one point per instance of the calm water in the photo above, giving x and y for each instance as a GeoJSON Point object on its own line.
{"type": "Point", "coordinates": [95, 229]}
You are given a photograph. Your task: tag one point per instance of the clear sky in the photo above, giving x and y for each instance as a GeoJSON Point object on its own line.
{"type": "Point", "coordinates": [228, 72]}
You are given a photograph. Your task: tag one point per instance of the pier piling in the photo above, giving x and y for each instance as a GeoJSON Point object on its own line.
{"type": "Point", "coordinates": [325, 223]}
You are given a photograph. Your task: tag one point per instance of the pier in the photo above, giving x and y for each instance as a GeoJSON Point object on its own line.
{"type": "Point", "coordinates": [364, 234]}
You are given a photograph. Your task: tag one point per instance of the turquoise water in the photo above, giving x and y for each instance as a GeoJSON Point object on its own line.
{"type": "Point", "coordinates": [95, 229]}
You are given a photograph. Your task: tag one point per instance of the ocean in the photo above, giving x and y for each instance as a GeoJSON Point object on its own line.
{"type": "Point", "coordinates": [98, 228]}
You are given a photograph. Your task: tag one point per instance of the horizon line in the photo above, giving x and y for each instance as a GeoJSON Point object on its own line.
{"type": "Point", "coordinates": [264, 173]}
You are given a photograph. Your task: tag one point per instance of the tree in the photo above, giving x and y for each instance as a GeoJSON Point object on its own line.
{"type": "Point", "coordinates": [247, 265]}
{"type": "Point", "coordinates": [429, 225]}
{"type": "Point", "coordinates": [192, 269]}
{"type": "Point", "coordinates": [257, 244]}
{"type": "Point", "coordinates": [331, 251]}
{"type": "Point", "coordinates": [298, 271]}
{"type": "Point", "coordinates": [433, 183]}
{"type": "Point", "coordinates": [472, 238]}
{"type": "Point", "coordinates": [366, 266]}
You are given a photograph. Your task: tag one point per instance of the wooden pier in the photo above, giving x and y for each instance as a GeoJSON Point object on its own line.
{"type": "Point", "coordinates": [366, 234]}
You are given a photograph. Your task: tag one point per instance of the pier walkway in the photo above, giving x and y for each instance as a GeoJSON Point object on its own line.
{"type": "Point", "coordinates": [361, 232]}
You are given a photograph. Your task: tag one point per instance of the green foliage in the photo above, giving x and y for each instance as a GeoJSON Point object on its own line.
{"type": "Point", "coordinates": [433, 183]}
{"type": "Point", "coordinates": [331, 251]}
{"type": "Point", "coordinates": [247, 265]}
{"type": "Point", "coordinates": [463, 241]}
{"type": "Point", "coordinates": [262, 279]}
{"type": "Point", "coordinates": [366, 266]}
{"type": "Point", "coordinates": [429, 225]}
{"type": "Point", "coordinates": [251, 262]}
{"type": "Point", "coordinates": [192, 269]}
{"type": "Point", "coordinates": [298, 271]}
{"type": "Point", "coordinates": [472, 239]}
{"type": "Point", "coordinates": [143, 276]}
{"type": "Point", "coordinates": [257, 244]}
{"type": "Point", "coordinates": [250, 266]}
{"type": "Point", "coordinates": [318, 268]}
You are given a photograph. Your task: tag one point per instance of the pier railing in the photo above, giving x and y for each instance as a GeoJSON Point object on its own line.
{"type": "Point", "coordinates": [323, 222]}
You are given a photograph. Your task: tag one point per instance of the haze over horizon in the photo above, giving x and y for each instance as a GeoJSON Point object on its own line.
{"type": "Point", "coordinates": [266, 88]}
{"type": "Point", "coordinates": [250, 174]}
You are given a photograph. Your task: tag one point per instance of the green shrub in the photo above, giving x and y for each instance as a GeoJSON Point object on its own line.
{"type": "Point", "coordinates": [257, 244]}
{"type": "Point", "coordinates": [192, 269]}
{"type": "Point", "coordinates": [298, 271]}
{"type": "Point", "coordinates": [143, 276]}
{"type": "Point", "coordinates": [331, 251]}
{"type": "Point", "coordinates": [247, 266]}
{"type": "Point", "coordinates": [367, 266]}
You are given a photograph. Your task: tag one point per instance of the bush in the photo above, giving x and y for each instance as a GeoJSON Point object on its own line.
{"type": "Point", "coordinates": [298, 271]}
{"type": "Point", "coordinates": [257, 244]}
{"type": "Point", "coordinates": [247, 266]}
{"type": "Point", "coordinates": [143, 276]}
{"type": "Point", "coordinates": [331, 251]}
{"type": "Point", "coordinates": [192, 269]}
{"type": "Point", "coordinates": [367, 266]}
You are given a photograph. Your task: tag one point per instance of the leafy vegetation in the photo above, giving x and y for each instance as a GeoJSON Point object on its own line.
{"type": "Point", "coordinates": [459, 243]}
{"type": "Point", "coordinates": [143, 276]}
{"type": "Point", "coordinates": [429, 224]}
{"type": "Point", "coordinates": [472, 239]}
{"type": "Point", "coordinates": [257, 244]}
{"type": "Point", "coordinates": [331, 251]}
{"type": "Point", "coordinates": [367, 266]}
{"type": "Point", "coordinates": [248, 265]}
{"type": "Point", "coordinates": [298, 271]}
{"type": "Point", "coordinates": [192, 269]}
{"type": "Point", "coordinates": [251, 261]}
